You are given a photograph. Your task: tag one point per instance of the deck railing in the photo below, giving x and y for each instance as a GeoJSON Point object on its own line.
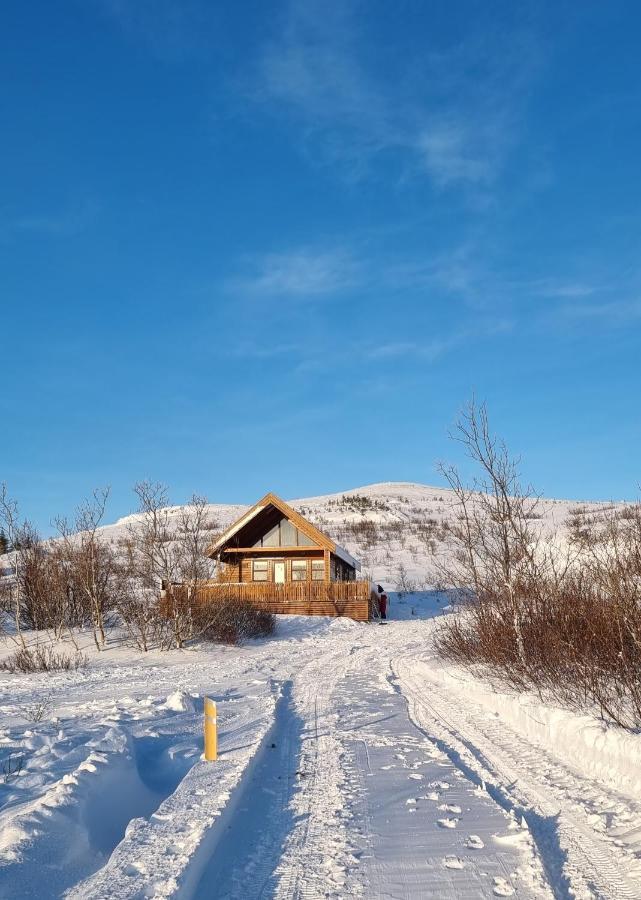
{"type": "Point", "coordinates": [355, 599]}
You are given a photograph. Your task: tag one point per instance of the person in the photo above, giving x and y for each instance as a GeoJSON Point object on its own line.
{"type": "Point", "coordinates": [382, 602]}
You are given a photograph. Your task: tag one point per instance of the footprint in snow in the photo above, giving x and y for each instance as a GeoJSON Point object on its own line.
{"type": "Point", "coordinates": [502, 887]}
{"type": "Point", "coordinates": [450, 807]}
{"type": "Point", "coordinates": [474, 842]}
{"type": "Point", "coordinates": [453, 862]}
{"type": "Point", "coordinates": [443, 785]}
{"type": "Point", "coordinates": [447, 823]}
{"type": "Point", "coordinates": [433, 795]}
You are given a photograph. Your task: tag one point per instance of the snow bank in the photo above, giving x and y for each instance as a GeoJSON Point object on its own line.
{"type": "Point", "coordinates": [596, 749]}
{"type": "Point", "coordinates": [162, 854]}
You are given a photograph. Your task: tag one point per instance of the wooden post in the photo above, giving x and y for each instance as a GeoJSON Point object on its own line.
{"type": "Point", "coordinates": [211, 731]}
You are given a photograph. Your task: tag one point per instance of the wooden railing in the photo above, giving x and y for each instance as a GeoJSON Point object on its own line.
{"type": "Point", "coordinates": [355, 599]}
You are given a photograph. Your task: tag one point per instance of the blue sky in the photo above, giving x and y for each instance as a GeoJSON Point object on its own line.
{"type": "Point", "coordinates": [251, 246]}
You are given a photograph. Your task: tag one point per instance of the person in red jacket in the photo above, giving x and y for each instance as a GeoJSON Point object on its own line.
{"type": "Point", "coordinates": [382, 602]}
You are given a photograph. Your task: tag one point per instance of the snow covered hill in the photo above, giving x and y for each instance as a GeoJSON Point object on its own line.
{"type": "Point", "coordinates": [395, 529]}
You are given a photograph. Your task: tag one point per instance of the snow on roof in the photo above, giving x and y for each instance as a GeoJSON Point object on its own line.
{"type": "Point", "coordinates": [342, 553]}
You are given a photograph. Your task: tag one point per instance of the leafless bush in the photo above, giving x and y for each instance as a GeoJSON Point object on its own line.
{"type": "Point", "coordinates": [403, 583]}
{"type": "Point", "coordinates": [564, 621]}
{"type": "Point", "coordinates": [91, 573]}
{"type": "Point", "coordinates": [43, 659]}
{"type": "Point", "coordinates": [36, 712]}
{"type": "Point", "coordinates": [145, 625]}
{"type": "Point", "coordinates": [235, 620]}
{"type": "Point", "coordinates": [38, 595]}
{"type": "Point", "coordinates": [57, 585]}
{"type": "Point", "coordinates": [160, 553]}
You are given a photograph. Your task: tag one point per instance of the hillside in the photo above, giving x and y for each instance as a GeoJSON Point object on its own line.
{"type": "Point", "coordinates": [396, 529]}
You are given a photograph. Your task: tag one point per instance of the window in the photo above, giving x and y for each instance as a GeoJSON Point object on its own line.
{"type": "Point", "coordinates": [299, 570]}
{"type": "Point", "coordinates": [287, 534]}
{"type": "Point", "coordinates": [272, 538]}
{"type": "Point", "coordinates": [284, 534]}
{"type": "Point", "coordinates": [260, 570]}
{"type": "Point", "coordinates": [318, 570]}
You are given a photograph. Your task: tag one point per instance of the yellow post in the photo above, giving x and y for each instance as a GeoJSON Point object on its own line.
{"type": "Point", "coordinates": [211, 730]}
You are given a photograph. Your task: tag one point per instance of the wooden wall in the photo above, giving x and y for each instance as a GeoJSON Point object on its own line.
{"type": "Point", "coordinates": [239, 569]}
{"type": "Point", "coordinates": [354, 599]}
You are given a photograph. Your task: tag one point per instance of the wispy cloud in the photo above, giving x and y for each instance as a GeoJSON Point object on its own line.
{"type": "Point", "coordinates": [299, 274]}
{"type": "Point", "coordinates": [451, 115]}
{"type": "Point", "coordinates": [433, 348]}
{"type": "Point", "coordinates": [555, 287]}
{"type": "Point", "coordinates": [616, 312]}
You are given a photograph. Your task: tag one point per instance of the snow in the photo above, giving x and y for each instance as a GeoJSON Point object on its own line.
{"type": "Point", "coordinates": [352, 761]}
{"type": "Point", "coordinates": [399, 510]}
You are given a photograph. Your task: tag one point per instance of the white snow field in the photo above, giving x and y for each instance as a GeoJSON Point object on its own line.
{"type": "Point", "coordinates": [352, 763]}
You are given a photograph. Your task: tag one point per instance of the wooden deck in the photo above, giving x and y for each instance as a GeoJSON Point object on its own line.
{"type": "Point", "coordinates": [354, 599]}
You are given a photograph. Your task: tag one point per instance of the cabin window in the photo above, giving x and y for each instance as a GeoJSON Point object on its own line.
{"type": "Point", "coordinates": [287, 534]}
{"type": "Point", "coordinates": [299, 570]}
{"type": "Point", "coordinates": [318, 570]}
{"type": "Point", "coordinates": [260, 570]}
{"type": "Point", "coordinates": [284, 534]}
{"type": "Point", "coordinates": [272, 538]}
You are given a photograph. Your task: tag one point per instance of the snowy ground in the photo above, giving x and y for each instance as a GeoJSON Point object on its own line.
{"type": "Point", "coordinates": [352, 763]}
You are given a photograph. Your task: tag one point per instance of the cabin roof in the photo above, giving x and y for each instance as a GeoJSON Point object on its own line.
{"type": "Point", "coordinates": [299, 521]}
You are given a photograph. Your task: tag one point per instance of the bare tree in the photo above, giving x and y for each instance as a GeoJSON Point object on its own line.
{"type": "Point", "coordinates": [169, 554]}
{"type": "Point", "coordinates": [496, 542]}
{"type": "Point", "coordinates": [9, 516]}
{"type": "Point", "coordinates": [90, 563]}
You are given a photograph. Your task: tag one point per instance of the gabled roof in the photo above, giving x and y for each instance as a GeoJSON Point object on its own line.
{"type": "Point", "coordinates": [270, 499]}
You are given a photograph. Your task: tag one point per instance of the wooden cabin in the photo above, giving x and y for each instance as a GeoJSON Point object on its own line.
{"type": "Point", "coordinates": [273, 557]}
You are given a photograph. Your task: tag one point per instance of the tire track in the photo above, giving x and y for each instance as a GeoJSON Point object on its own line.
{"type": "Point", "coordinates": [579, 862]}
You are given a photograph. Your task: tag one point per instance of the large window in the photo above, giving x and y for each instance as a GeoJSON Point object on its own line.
{"type": "Point", "coordinates": [260, 570]}
{"type": "Point", "coordinates": [318, 570]}
{"type": "Point", "coordinates": [284, 534]}
{"type": "Point", "coordinates": [299, 570]}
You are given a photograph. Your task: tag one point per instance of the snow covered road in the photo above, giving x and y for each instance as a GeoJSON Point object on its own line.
{"type": "Point", "coordinates": [349, 766]}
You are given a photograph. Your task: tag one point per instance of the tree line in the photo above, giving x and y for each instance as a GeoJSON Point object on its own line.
{"type": "Point", "coordinates": [146, 582]}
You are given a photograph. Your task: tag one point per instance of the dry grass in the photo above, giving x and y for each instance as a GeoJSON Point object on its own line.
{"type": "Point", "coordinates": [43, 659]}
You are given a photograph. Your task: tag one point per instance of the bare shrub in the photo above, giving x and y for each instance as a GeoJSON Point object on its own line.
{"type": "Point", "coordinates": [403, 583]}
{"type": "Point", "coordinates": [43, 659]}
{"type": "Point", "coordinates": [234, 620]}
{"type": "Point", "coordinates": [38, 594]}
{"type": "Point", "coordinates": [161, 553]}
{"type": "Point", "coordinates": [145, 625]}
{"type": "Point", "coordinates": [497, 547]}
{"type": "Point", "coordinates": [89, 567]}
{"type": "Point", "coordinates": [38, 711]}
{"type": "Point", "coordinates": [564, 621]}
